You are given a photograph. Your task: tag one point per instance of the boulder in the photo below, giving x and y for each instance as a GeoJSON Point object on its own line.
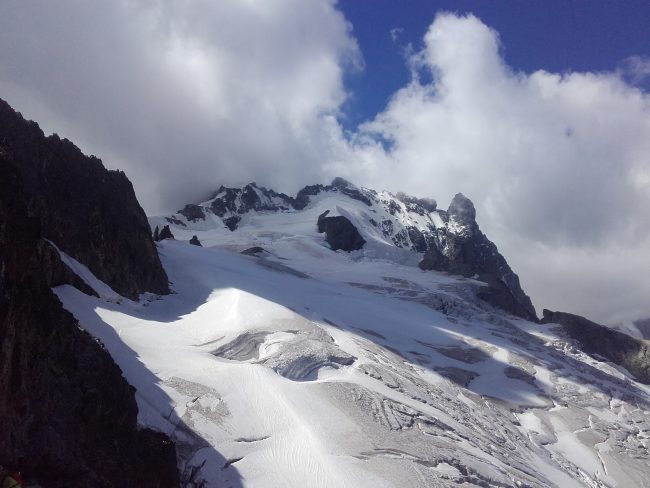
{"type": "Point", "coordinates": [195, 241]}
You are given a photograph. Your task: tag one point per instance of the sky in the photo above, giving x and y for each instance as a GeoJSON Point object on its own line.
{"type": "Point", "coordinates": [538, 111]}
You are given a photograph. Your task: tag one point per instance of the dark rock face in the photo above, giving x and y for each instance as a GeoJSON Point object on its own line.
{"type": "Point", "coordinates": [302, 198]}
{"type": "Point", "coordinates": [338, 184]}
{"type": "Point", "coordinates": [232, 222]}
{"type": "Point", "coordinates": [347, 188]}
{"type": "Point", "coordinates": [175, 221]}
{"type": "Point", "coordinates": [165, 233]}
{"type": "Point", "coordinates": [69, 418]}
{"type": "Point", "coordinates": [340, 233]}
{"type": "Point", "coordinates": [417, 205]}
{"type": "Point", "coordinates": [251, 197]}
{"type": "Point", "coordinates": [463, 209]}
{"type": "Point", "coordinates": [622, 349]}
{"type": "Point", "coordinates": [90, 213]}
{"type": "Point", "coordinates": [468, 252]}
{"type": "Point", "coordinates": [192, 212]}
{"type": "Point", "coordinates": [195, 241]}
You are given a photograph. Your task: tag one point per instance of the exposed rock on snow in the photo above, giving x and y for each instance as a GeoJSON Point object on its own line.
{"type": "Point", "coordinates": [340, 233]}
{"type": "Point", "coordinates": [195, 241]}
{"type": "Point", "coordinates": [253, 251]}
{"type": "Point", "coordinates": [192, 212]}
{"type": "Point", "coordinates": [165, 233]}
{"type": "Point", "coordinates": [622, 349]}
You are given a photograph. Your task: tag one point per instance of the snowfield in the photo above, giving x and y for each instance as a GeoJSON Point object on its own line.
{"type": "Point", "coordinates": [306, 367]}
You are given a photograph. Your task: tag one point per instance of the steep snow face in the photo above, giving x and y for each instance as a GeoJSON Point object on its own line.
{"type": "Point", "coordinates": [300, 366]}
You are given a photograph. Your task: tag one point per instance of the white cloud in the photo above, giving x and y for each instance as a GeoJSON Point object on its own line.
{"type": "Point", "coordinates": [395, 33]}
{"type": "Point", "coordinates": [183, 95]}
{"type": "Point", "coordinates": [557, 165]}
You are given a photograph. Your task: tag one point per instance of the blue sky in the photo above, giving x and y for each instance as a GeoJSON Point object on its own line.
{"type": "Point", "coordinates": [553, 35]}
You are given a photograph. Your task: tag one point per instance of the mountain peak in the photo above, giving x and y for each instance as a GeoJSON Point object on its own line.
{"type": "Point", "coordinates": [462, 208]}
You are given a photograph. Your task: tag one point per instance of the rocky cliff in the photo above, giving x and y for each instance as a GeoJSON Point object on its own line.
{"type": "Point", "coordinates": [68, 416]}
{"type": "Point", "coordinates": [90, 213]}
{"type": "Point", "coordinates": [619, 348]}
{"type": "Point", "coordinates": [466, 251]}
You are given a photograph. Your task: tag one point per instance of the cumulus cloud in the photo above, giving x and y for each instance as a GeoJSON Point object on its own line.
{"type": "Point", "coordinates": [183, 95]}
{"type": "Point", "coordinates": [558, 165]}
{"type": "Point", "coordinates": [188, 95]}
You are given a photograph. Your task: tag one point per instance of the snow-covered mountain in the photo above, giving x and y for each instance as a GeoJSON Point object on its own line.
{"type": "Point", "coordinates": [403, 358]}
{"type": "Point", "coordinates": [399, 227]}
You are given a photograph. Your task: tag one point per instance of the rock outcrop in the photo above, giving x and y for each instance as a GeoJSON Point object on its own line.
{"type": "Point", "coordinates": [195, 241]}
{"type": "Point", "coordinates": [69, 418]}
{"type": "Point", "coordinates": [340, 233]}
{"type": "Point", "coordinates": [463, 249]}
{"type": "Point", "coordinates": [254, 251]}
{"type": "Point", "coordinates": [165, 233]}
{"type": "Point", "coordinates": [90, 213]}
{"type": "Point", "coordinates": [192, 212]}
{"type": "Point", "coordinates": [236, 201]}
{"type": "Point", "coordinates": [619, 348]}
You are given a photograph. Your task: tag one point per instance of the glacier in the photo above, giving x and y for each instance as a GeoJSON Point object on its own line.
{"type": "Point", "coordinates": [302, 366]}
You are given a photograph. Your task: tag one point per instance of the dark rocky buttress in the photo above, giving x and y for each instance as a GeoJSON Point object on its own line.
{"type": "Point", "coordinates": [68, 416]}
{"type": "Point", "coordinates": [90, 213]}
{"type": "Point", "coordinates": [466, 251]}
{"type": "Point", "coordinates": [340, 233]}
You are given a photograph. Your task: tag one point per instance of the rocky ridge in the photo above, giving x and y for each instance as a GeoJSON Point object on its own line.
{"type": "Point", "coordinates": [595, 339]}
{"type": "Point", "coordinates": [90, 213]}
{"type": "Point", "coordinates": [446, 240]}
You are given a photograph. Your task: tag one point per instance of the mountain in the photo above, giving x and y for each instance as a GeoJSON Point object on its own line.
{"type": "Point", "coordinates": [68, 416]}
{"type": "Point", "coordinates": [449, 241]}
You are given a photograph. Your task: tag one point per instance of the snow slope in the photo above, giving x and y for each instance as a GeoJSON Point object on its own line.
{"type": "Point", "coordinates": [306, 367]}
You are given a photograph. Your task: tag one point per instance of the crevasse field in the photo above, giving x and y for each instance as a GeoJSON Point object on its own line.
{"type": "Point", "coordinates": [304, 367]}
